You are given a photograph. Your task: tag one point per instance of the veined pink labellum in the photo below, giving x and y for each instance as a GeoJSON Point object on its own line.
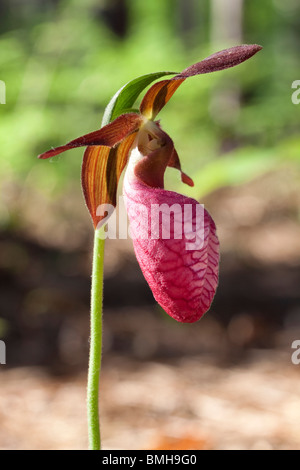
{"type": "Point", "coordinates": [183, 276]}
{"type": "Point", "coordinates": [183, 280]}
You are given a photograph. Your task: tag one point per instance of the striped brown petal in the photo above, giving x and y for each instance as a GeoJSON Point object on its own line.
{"type": "Point", "coordinates": [109, 135]}
{"type": "Point", "coordinates": [174, 162]}
{"type": "Point", "coordinates": [157, 96]}
{"type": "Point", "coordinates": [101, 171]}
{"type": "Point", "coordinates": [160, 93]}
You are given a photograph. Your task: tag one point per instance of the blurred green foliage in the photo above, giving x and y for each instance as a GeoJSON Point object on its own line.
{"type": "Point", "coordinates": [63, 60]}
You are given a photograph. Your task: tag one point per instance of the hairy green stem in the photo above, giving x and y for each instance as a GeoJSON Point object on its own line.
{"type": "Point", "coordinates": [95, 342]}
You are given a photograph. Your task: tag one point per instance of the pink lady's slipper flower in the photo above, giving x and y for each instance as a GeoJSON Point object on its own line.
{"type": "Point", "coordinates": [179, 258]}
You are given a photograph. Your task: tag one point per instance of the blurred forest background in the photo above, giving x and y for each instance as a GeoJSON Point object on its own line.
{"type": "Point", "coordinates": [227, 381]}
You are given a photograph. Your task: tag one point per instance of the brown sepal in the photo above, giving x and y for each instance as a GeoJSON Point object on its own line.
{"type": "Point", "coordinates": [220, 60]}
{"type": "Point", "coordinates": [160, 93]}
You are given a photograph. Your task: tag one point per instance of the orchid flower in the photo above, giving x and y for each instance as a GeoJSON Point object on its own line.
{"type": "Point", "coordinates": [183, 280]}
